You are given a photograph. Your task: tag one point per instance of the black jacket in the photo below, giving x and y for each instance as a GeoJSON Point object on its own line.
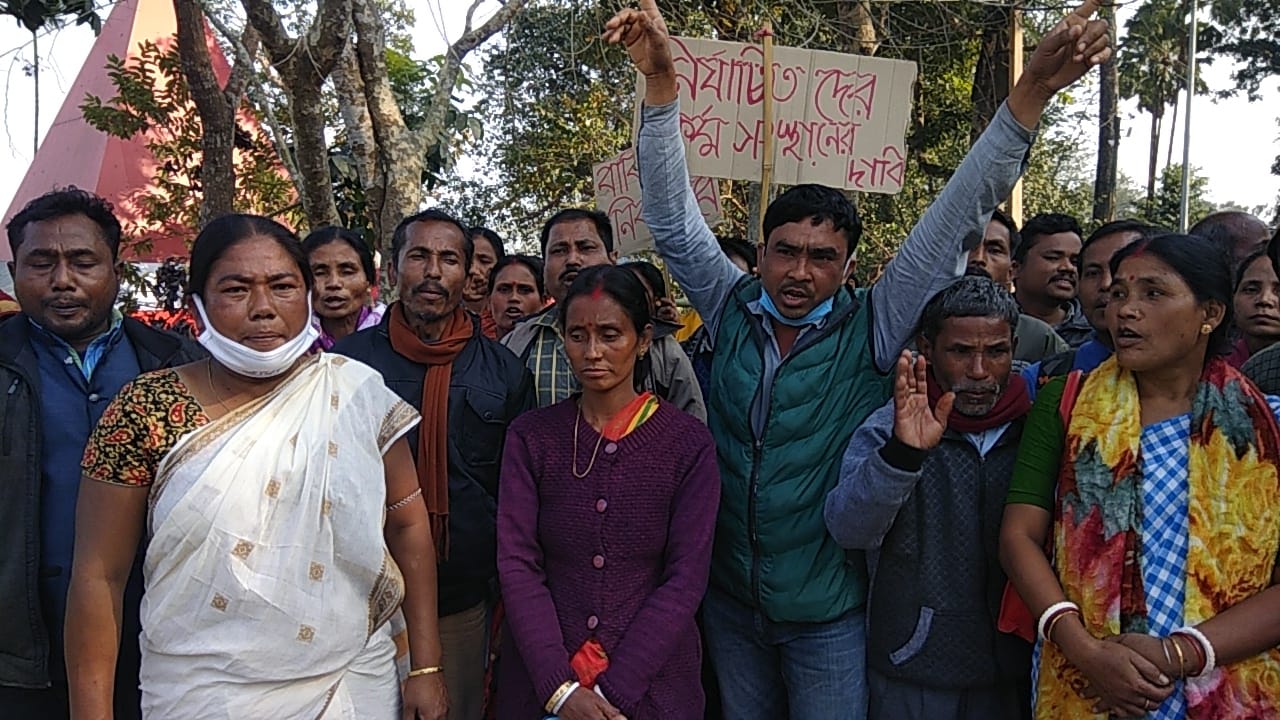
{"type": "Point", "coordinates": [24, 635]}
{"type": "Point", "coordinates": [488, 388]}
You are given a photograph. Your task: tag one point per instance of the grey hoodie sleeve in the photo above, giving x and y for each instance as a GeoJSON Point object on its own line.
{"type": "Point", "coordinates": [877, 476]}
{"type": "Point", "coordinates": [935, 252]}
{"type": "Point", "coordinates": [675, 372]}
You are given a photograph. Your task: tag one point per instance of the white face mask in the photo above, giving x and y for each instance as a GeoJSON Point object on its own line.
{"type": "Point", "coordinates": [252, 363]}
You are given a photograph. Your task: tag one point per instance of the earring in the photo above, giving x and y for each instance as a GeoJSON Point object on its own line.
{"type": "Point", "coordinates": [1205, 329]}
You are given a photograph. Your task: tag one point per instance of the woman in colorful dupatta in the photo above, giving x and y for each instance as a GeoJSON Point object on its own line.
{"type": "Point", "coordinates": [284, 520]}
{"type": "Point", "coordinates": [606, 512]}
{"type": "Point", "coordinates": [1157, 476]}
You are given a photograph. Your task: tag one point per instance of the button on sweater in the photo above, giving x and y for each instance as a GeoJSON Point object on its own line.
{"type": "Point", "coordinates": [621, 555]}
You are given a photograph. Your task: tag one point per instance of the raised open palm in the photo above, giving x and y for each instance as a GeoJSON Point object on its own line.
{"type": "Point", "coordinates": [914, 422]}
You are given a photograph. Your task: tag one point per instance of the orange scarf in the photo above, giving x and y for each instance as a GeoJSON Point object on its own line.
{"type": "Point", "coordinates": [433, 432]}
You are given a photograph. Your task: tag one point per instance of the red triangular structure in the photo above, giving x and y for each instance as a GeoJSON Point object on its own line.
{"type": "Point", "coordinates": [73, 153]}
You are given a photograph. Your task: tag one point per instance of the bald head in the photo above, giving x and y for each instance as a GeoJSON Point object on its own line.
{"type": "Point", "coordinates": [1238, 233]}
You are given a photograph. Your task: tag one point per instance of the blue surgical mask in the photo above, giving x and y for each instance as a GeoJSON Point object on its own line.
{"type": "Point", "coordinates": [814, 317]}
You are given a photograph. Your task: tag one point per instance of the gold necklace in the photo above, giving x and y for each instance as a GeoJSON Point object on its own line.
{"type": "Point", "coordinates": [576, 423]}
{"type": "Point", "coordinates": [216, 395]}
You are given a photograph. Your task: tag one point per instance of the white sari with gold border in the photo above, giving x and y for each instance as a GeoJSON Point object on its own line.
{"type": "Point", "coordinates": [268, 581]}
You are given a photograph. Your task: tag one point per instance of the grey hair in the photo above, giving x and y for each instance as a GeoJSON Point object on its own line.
{"type": "Point", "coordinates": [970, 296]}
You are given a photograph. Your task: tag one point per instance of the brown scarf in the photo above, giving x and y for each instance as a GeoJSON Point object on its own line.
{"type": "Point", "coordinates": [433, 432]}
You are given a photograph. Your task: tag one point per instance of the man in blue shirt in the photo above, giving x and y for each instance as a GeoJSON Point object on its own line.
{"type": "Point", "coordinates": [62, 359]}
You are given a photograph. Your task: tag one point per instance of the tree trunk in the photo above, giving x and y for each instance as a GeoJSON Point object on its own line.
{"type": "Point", "coordinates": [855, 18]}
{"type": "Point", "coordinates": [398, 159]}
{"type": "Point", "coordinates": [216, 111]}
{"type": "Point", "coordinates": [1153, 161]}
{"type": "Point", "coordinates": [303, 65]}
{"type": "Point", "coordinates": [1104, 182]}
{"type": "Point", "coordinates": [991, 76]}
{"type": "Point", "coordinates": [1173, 134]}
{"type": "Point", "coordinates": [313, 154]}
{"type": "Point", "coordinates": [355, 116]}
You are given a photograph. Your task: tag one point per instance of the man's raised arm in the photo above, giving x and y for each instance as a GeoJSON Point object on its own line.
{"type": "Point", "coordinates": [670, 208]}
{"type": "Point", "coordinates": [934, 253]}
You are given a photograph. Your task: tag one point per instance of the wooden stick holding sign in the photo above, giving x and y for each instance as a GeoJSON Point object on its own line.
{"type": "Point", "coordinates": [766, 153]}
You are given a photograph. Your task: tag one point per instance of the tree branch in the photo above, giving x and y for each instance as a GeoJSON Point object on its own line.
{"type": "Point", "coordinates": [437, 111]}
{"type": "Point", "coordinates": [246, 49]}
{"type": "Point", "coordinates": [332, 21]}
{"type": "Point", "coordinates": [264, 18]}
{"type": "Point", "coordinates": [217, 114]}
{"type": "Point", "coordinates": [257, 95]}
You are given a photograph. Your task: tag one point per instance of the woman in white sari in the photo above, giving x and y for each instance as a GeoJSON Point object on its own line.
{"type": "Point", "coordinates": [282, 509]}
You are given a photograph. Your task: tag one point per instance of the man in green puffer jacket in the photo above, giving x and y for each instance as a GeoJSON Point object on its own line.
{"type": "Point", "coordinates": [799, 362]}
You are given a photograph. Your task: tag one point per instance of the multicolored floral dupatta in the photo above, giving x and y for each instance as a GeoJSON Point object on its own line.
{"type": "Point", "coordinates": [1234, 519]}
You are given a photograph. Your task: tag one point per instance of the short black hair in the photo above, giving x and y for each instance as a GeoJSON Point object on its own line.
{"type": "Point", "coordinates": [1226, 227]}
{"type": "Point", "coordinates": [499, 247]}
{"type": "Point", "coordinates": [970, 296]}
{"type": "Point", "coordinates": [1201, 264]}
{"type": "Point", "coordinates": [401, 234]}
{"type": "Point", "coordinates": [1144, 231]}
{"type": "Point", "coordinates": [817, 204]}
{"type": "Point", "coordinates": [1015, 237]}
{"type": "Point", "coordinates": [320, 237]}
{"type": "Point", "coordinates": [604, 228]}
{"type": "Point", "coordinates": [732, 246]}
{"type": "Point", "coordinates": [651, 275]}
{"type": "Point", "coordinates": [64, 202]}
{"type": "Point", "coordinates": [1045, 224]}
{"type": "Point", "coordinates": [533, 264]}
{"type": "Point", "coordinates": [224, 232]}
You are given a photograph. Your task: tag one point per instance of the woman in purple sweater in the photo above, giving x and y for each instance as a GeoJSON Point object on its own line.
{"type": "Point", "coordinates": [606, 513]}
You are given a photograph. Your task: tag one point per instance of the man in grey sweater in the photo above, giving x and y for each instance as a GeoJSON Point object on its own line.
{"type": "Point", "coordinates": [922, 489]}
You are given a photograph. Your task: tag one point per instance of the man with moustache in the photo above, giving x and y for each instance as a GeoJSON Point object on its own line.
{"type": "Point", "coordinates": [62, 359]}
{"type": "Point", "coordinates": [1045, 274]}
{"type": "Point", "coordinates": [572, 240]}
{"type": "Point", "coordinates": [993, 258]}
{"type": "Point", "coordinates": [922, 490]}
{"type": "Point", "coordinates": [1095, 291]}
{"type": "Point", "coordinates": [431, 353]}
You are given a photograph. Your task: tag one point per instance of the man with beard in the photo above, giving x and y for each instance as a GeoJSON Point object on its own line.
{"type": "Point", "coordinates": [431, 353]}
{"type": "Point", "coordinates": [1095, 292]}
{"type": "Point", "coordinates": [993, 258]}
{"type": "Point", "coordinates": [1045, 273]}
{"type": "Point", "coordinates": [572, 240]}
{"type": "Point", "coordinates": [62, 360]}
{"type": "Point", "coordinates": [922, 490]}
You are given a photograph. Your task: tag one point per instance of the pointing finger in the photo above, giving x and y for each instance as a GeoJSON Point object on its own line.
{"type": "Point", "coordinates": [1085, 11]}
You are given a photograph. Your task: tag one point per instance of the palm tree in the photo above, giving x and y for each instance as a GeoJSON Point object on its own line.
{"type": "Point", "coordinates": [1153, 67]}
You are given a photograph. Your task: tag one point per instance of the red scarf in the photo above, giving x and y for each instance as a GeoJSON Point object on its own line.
{"type": "Point", "coordinates": [1013, 403]}
{"type": "Point", "coordinates": [433, 432]}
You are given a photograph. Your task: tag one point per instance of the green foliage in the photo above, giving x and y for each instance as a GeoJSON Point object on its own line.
{"type": "Point", "coordinates": [152, 97]}
{"type": "Point", "coordinates": [37, 14]}
{"type": "Point", "coordinates": [1249, 32]}
{"type": "Point", "coordinates": [1166, 210]}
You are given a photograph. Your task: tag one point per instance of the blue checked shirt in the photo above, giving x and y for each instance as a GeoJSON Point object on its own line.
{"type": "Point", "coordinates": [1165, 531]}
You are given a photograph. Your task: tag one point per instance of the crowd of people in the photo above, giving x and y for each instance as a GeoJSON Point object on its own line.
{"type": "Point", "coordinates": [513, 493]}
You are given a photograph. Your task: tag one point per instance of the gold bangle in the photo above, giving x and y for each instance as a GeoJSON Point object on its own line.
{"type": "Point", "coordinates": [426, 671]}
{"type": "Point", "coordinates": [558, 695]}
{"type": "Point", "coordinates": [1182, 659]}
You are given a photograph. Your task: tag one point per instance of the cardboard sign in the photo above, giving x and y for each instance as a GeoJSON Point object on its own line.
{"type": "Point", "coordinates": [839, 120]}
{"type": "Point", "coordinates": [617, 187]}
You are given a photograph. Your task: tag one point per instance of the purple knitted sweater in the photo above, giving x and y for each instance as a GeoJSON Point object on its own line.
{"type": "Point", "coordinates": [621, 555]}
